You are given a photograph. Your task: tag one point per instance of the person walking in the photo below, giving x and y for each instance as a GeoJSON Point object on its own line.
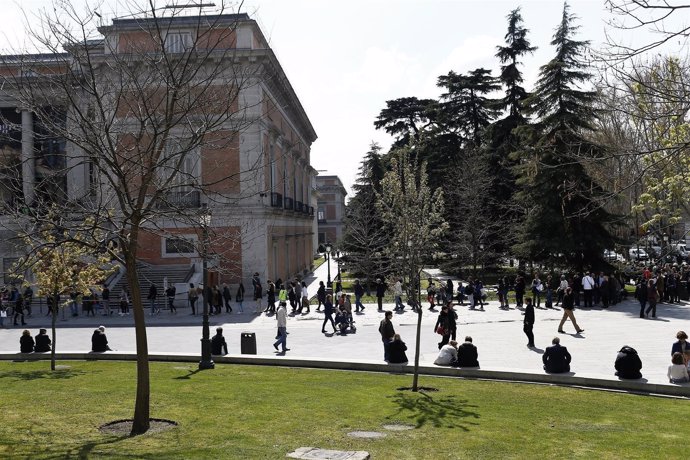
{"type": "Point", "coordinates": [528, 323]}
{"type": "Point", "coordinates": [258, 293]}
{"type": "Point", "coordinates": [443, 325]}
{"type": "Point", "coordinates": [380, 293]}
{"type": "Point", "coordinates": [105, 298]}
{"type": "Point", "coordinates": [271, 297]}
{"type": "Point", "coordinates": [19, 310]}
{"type": "Point", "coordinates": [321, 295]}
{"type": "Point", "coordinates": [328, 311]}
{"type": "Point", "coordinates": [227, 297]}
{"type": "Point", "coordinates": [641, 294]}
{"type": "Point", "coordinates": [560, 292]}
{"type": "Point", "coordinates": [397, 293]}
{"type": "Point", "coordinates": [239, 297]}
{"type": "Point", "coordinates": [281, 318]}
{"type": "Point", "coordinates": [305, 298]}
{"type": "Point", "coordinates": [153, 293]}
{"type": "Point", "coordinates": [193, 296]}
{"type": "Point", "coordinates": [387, 332]}
{"type": "Point", "coordinates": [359, 293]}
{"type": "Point", "coordinates": [652, 297]}
{"type": "Point", "coordinates": [170, 294]}
{"type": "Point", "coordinates": [568, 306]}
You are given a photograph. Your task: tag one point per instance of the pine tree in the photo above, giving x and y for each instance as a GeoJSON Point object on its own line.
{"type": "Point", "coordinates": [565, 219]}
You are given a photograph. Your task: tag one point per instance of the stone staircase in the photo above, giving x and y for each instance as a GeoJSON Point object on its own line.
{"type": "Point", "coordinates": [153, 274]}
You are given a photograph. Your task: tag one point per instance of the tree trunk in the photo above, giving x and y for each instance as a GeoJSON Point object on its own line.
{"type": "Point", "coordinates": [141, 420]}
{"type": "Point", "coordinates": [53, 320]}
{"type": "Point", "coordinates": [415, 376]}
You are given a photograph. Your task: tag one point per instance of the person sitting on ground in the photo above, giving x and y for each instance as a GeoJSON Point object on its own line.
{"type": "Point", "coordinates": [99, 341]}
{"type": "Point", "coordinates": [448, 355]}
{"type": "Point", "coordinates": [681, 346]}
{"type": "Point", "coordinates": [628, 363]}
{"type": "Point", "coordinates": [677, 372]}
{"type": "Point", "coordinates": [26, 342]}
{"type": "Point", "coordinates": [43, 342]}
{"type": "Point", "coordinates": [467, 354]}
{"type": "Point", "coordinates": [556, 358]}
{"type": "Point", "coordinates": [396, 351]}
{"type": "Point", "coordinates": [218, 344]}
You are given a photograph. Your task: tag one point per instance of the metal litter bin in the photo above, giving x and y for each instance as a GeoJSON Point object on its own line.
{"type": "Point", "coordinates": [248, 343]}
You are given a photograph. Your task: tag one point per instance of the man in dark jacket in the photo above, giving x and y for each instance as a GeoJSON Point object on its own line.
{"type": "Point", "coordinates": [528, 322]}
{"type": "Point", "coordinates": [628, 363]}
{"type": "Point", "coordinates": [42, 342]}
{"type": "Point", "coordinates": [218, 344]}
{"type": "Point", "coordinates": [467, 354]}
{"type": "Point", "coordinates": [387, 332]}
{"type": "Point", "coordinates": [556, 358]}
{"type": "Point", "coordinates": [359, 293]}
{"type": "Point", "coordinates": [380, 292]}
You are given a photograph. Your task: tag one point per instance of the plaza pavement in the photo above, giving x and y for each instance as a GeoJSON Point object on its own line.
{"type": "Point", "coordinates": [497, 334]}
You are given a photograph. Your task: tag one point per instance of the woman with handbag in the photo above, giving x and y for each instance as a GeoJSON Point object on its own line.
{"type": "Point", "coordinates": [443, 326]}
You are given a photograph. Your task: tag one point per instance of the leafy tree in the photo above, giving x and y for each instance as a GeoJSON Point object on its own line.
{"type": "Point", "coordinates": [406, 118]}
{"type": "Point", "coordinates": [415, 214]}
{"type": "Point", "coordinates": [566, 220]}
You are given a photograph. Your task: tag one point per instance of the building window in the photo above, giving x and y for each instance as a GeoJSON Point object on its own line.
{"type": "Point", "coordinates": [321, 215]}
{"type": "Point", "coordinates": [272, 166]}
{"type": "Point", "coordinates": [180, 246]}
{"type": "Point", "coordinates": [181, 167]}
{"type": "Point", "coordinates": [322, 237]}
{"type": "Point", "coordinates": [178, 42]}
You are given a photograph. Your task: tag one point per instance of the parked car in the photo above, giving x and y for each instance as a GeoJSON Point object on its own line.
{"type": "Point", "coordinates": [637, 254]}
{"type": "Point", "coordinates": [613, 256]}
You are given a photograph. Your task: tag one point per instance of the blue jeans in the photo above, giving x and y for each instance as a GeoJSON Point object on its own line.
{"type": "Point", "coordinates": [385, 348]}
{"type": "Point", "coordinates": [358, 303]}
{"type": "Point", "coordinates": [282, 338]}
{"type": "Point", "coordinates": [399, 303]}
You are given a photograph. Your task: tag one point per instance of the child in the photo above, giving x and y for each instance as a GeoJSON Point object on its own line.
{"type": "Point", "coordinates": [677, 371]}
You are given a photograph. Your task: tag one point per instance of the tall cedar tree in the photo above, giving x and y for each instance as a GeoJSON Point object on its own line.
{"type": "Point", "coordinates": [502, 138]}
{"type": "Point", "coordinates": [366, 234]}
{"type": "Point", "coordinates": [565, 220]}
{"type": "Point", "coordinates": [405, 119]}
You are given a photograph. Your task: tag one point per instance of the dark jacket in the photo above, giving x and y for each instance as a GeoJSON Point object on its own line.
{"type": "Point", "coordinates": [328, 308]}
{"type": "Point", "coordinates": [556, 359]}
{"type": "Point", "coordinates": [321, 293]}
{"type": "Point", "coordinates": [380, 289]}
{"type": "Point", "coordinates": [568, 301]}
{"type": "Point", "coordinates": [396, 352]}
{"type": "Point", "coordinates": [386, 329]}
{"type": "Point", "coordinates": [628, 364]}
{"type": "Point", "coordinates": [26, 344]}
{"type": "Point", "coordinates": [359, 289]}
{"type": "Point", "coordinates": [529, 313]}
{"type": "Point", "coordinates": [467, 355]}
{"type": "Point", "coordinates": [42, 343]}
{"type": "Point", "coordinates": [99, 342]}
{"type": "Point", "coordinates": [153, 292]}
{"type": "Point", "coordinates": [680, 347]}
{"type": "Point", "coordinates": [218, 345]}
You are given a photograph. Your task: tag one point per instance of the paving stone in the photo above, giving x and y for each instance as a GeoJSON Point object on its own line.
{"type": "Point", "coordinates": [398, 427]}
{"type": "Point", "coordinates": [314, 453]}
{"type": "Point", "coordinates": [366, 434]}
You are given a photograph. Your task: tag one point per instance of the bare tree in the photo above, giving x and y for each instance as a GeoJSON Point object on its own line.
{"type": "Point", "coordinates": [147, 114]}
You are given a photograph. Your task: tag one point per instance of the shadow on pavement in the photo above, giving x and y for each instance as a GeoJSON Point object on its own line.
{"type": "Point", "coordinates": [440, 411]}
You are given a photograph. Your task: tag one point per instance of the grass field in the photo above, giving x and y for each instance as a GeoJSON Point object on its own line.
{"type": "Point", "coordinates": [265, 412]}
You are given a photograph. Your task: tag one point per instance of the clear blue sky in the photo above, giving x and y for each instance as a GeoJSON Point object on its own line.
{"type": "Point", "coordinates": [346, 59]}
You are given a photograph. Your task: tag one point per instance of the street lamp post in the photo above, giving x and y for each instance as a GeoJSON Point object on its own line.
{"type": "Point", "coordinates": [329, 283]}
{"type": "Point", "coordinates": [206, 360]}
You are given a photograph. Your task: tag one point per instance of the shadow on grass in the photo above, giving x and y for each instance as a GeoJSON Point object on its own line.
{"type": "Point", "coordinates": [42, 374]}
{"type": "Point", "coordinates": [439, 411]}
{"type": "Point", "coordinates": [188, 375]}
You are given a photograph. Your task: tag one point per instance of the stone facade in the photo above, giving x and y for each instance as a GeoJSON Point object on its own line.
{"type": "Point", "coordinates": [330, 209]}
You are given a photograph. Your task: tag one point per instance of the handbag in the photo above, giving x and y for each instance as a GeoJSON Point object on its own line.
{"type": "Point", "coordinates": [441, 330]}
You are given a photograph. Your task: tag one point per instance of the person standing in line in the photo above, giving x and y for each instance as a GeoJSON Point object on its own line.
{"type": "Point", "coordinates": [258, 293]}
{"type": "Point", "coordinates": [304, 292]}
{"type": "Point", "coordinates": [170, 294]}
{"type": "Point", "coordinates": [469, 293]}
{"type": "Point", "coordinates": [652, 297]}
{"type": "Point", "coordinates": [528, 323]}
{"type": "Point", "coordinates": [217, 300]}
{"type": "Point", "coordinates": [321, 295]}
{"type": "Point", "coordinates": [124, 303]}
{"type": "Point", "coordinates": [19, 310]}
{"type": "Point", "coordinates": [537, 288]}
{"type": "Point", "coordinates": [271, 297]}
{"type": "Point", "coordinates": [359, 293]}
{"type": "Point", "coordinates": [227, 297]}
{"type": "Point", "coordinates": [193, 296]}
{"type": "Point", "coordinates": [641, 294]}
{"type": "Point", "coordinates": [281, 318]}
{"type": "Point", "coordinates": [577, 288]}
{"type": "Point", "coordinates": [588, 288]}
{"type": "Point", "coordinates": [556, 358]}
{"type": "Point", "coordinates": [380, 293]}
{"type": "Point", "coordinates": [239, 297]}
{"type": "Point", "coordinates": [387, 332]}
{"type": "Point", "coordinates": [519, 290]}
{"type": "Point", "coordinates": [431, 294]}
{"type": "Point", "coordinates": [398, 292]}
{"type": "Point", "coordinates": [28, 298]}
{"type": "Point", "coordinates": [560, 292]}
{"type": "Point", "coordinates": [568, 306]}
{"type": "Point", "coordinates": [283, 295]}
{"type": "Point", "coordinates": [26, 342]}
{"type": "Point", "coordinates": [298, 294]}
{"type": "Point", "coordinates": [105, 297]}
{"type": "Point", "coordinates": [328, 311]}
{"type": "Point", "coordinates": [43, 342]}
{"type": "Point", "coordinates": [218, 344]}
{"type": "Point", "coordinates": [548, 292]}
{"type": "Point", "coordinates": [479, 293]}
{"type": "Point", "coordinates": [450, 289]}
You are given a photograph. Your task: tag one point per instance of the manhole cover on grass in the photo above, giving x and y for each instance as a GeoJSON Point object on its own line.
{"type": "Point", "coordinates": [314, 453]}
{"type": "Point", "coordinates": [398, 427]}
{"type": "Point", "coordinates": [62, 367]}
{"type": "Point", "coordinates": [366, 434]}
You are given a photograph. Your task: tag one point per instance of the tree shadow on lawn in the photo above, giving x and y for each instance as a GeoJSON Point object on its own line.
{"type": "Point", "coordinates": [42, 374]}
{"type": "Point", "coordinates": [442, 411]}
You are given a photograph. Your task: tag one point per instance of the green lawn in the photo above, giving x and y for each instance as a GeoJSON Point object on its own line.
{"type": "Point", "coordinates": [265, 412]}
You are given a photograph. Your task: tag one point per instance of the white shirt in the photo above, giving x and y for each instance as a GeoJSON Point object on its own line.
{"type": "Point", "coordinates": [677, 372]}
{"type": "Point", "coordinates": [397, 289]}
{"type": "Point", "coordinates": [446, 356]}
{"type": "Point", "coordinates": [305, 292]}
{"type": "Point", "coordinates": [564, 285]}
{"type": "Point", "coordinates": [281, 316]}
{"type": "Point", "coordinates": [587, 283]}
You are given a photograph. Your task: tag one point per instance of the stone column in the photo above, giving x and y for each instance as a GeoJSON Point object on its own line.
{"type": "Point", "coordinates": [27, 157]}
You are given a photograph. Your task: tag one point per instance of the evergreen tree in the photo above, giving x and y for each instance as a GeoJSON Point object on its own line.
{"type": "Point", "coordinates": [565, 219]}
{"type": "Point", "coordinates": [406, 119]}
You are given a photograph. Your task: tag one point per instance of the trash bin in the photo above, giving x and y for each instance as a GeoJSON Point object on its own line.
{"type": "Point", "coordinates": [248, 343]}
{"type": "Point", "coordinates": [683, 291]}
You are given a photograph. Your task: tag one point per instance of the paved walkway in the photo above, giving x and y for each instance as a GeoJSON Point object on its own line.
{"type": "Point", "coordinates": [497, 334]}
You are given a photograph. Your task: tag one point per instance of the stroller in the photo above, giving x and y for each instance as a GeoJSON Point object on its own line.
{"type": "Point", "coordinates": [344, 322]}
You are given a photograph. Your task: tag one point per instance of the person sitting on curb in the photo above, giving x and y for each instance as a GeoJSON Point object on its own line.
{"type": "Point", "coordinates": [218, 344]}
{"type": "Point", "coordinates": [677, 371]}
{"type": "Point", "coordinates": [467, 354]}
{"type": "Point", "coordinates": [43, 342]}
{"type": "Point", "coordinates": [556, 358]}
{"type": "Point", "coordinates": [628, 363]}
{"type": "Point", "coordinates": [99, 342]}
{"type": "Point", "coordinates": [448, 355]}
{"type": "Point", "coordinates": [26, 342]}
{"type": "Point", "coordinates": [396, 351]}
